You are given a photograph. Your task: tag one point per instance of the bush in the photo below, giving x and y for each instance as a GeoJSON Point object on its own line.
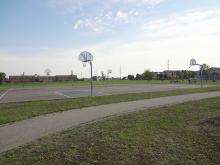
{"type": "Point", "coordinates": [2, 77]}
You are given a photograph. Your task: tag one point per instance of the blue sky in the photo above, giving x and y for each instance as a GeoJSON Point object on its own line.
{"type": "Point", "coordinates": [138, 34]}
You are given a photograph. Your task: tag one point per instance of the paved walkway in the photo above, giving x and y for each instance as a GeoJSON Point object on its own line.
{"type": "Point", "coordinates": [19, 133]}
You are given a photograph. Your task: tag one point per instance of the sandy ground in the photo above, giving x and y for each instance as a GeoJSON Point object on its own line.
{"type": "Point", "coordinates": [20, 133]}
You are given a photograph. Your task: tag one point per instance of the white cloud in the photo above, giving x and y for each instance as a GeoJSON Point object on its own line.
{"type": "Point", "coordinates": [121, 16]}
{"type": "Point", "coordinates": [106, 21]}
{"type": "Point", "coordinates": [146, 2]}
{"type": "Point", "coordinates": [186, 24]}
{"type": "Point", "coordinates": [96, 15]}
{"type": "Point", "coordinates": [177, 37]}
{"type": "Point", "coordinates": [71, 5]}
{"type": "Point", "coordinates": [95, 25]}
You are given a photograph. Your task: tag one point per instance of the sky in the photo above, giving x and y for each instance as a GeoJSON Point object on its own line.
{"type": "Point", "coordinates": [136, 34]}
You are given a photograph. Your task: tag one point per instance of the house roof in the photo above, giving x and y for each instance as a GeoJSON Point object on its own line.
{"type": "Point", "coordinates": [22, 76]}
{"type": "Point", "coordinates": [173, 71]}
{"type": "Point", "coordinates": [63, 76]}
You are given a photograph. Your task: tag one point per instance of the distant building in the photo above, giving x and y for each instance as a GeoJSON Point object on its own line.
{"type": "Point", "coordinates": [37, 78]}
{"type": "Point", "coordinates": [169, 74]}
{"type": "Point", "coordinates": [22, 78]}
{"type": "Point", "coordinates": [46, 78]}
{"type": "Point", "coordinates": [216, 73]}
{"type": "Point", "coordinates": [62, 77]}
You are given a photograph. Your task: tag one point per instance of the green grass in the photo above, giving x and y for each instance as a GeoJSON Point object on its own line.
{"type": "Point", "coordinates": [87, 83]}
{"type": "Point", "coordinates": [11, 112]}
{"type": "Point", "coordinates": [188, 133]}
{"type": "Point", "coordinates": [1, 91]}
{"type": "Point", "coordinates": [79, 83]}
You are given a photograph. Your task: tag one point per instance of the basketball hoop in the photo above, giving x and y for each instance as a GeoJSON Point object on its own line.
{"type": "Point", "coordinates": [85, 57]}
{"type": "Point", "coordinates": [194, 63]}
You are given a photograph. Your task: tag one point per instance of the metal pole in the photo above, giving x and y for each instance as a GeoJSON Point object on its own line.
{"type": "Point", "coordinates": [201, 76]}
{"type": "Point", "coordinates": [23, 79]}
{"type": "Point", "coordinates": [120, 71]}
{"type": "Point", "coordinates": [91, 79]}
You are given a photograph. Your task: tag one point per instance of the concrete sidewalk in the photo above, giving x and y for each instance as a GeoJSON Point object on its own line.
{"type": "Point", "coordinates": [19, 133]}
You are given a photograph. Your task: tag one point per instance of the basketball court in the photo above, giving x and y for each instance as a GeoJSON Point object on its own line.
{"type": "Point", "coordinates": [20, 95]}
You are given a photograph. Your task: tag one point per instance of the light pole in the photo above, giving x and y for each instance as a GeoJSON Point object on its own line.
{"type": "Point", "coordinates": [23, 79]}
{"type": "Point", "coordinates": [91, 78]}
{"type": "Point", "coordinates": [193, 63]}
{"type": "Point", "coordinates": [87, 57]}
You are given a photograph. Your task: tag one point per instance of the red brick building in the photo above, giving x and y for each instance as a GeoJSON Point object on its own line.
{"type": "Point", "coordinates": [22, 78]}
{"type": "Point", "coordinates": [36, 78]}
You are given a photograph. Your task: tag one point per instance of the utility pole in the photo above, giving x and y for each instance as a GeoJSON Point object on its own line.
{"type": "Point", "coordinates": [120, 71]}
{"type": "Point", "coordinates": [168, 65]}
{"type": "Point", "coordinates": [23, 79]}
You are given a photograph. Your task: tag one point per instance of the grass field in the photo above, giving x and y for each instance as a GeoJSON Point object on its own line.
{"type": "Point", "coordinates": [11, 112]}
{"type": "Point", "coordinates": [87, 83]}
{"type": "Point", "coordinates": [79, 83]}
{"type": "Point", "coordinates": [188, 133]}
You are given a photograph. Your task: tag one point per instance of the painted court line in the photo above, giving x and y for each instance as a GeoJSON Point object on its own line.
{"type": "Point", "coordinates": [61, 94]}
{"type": "Point", "coordinates": [1, 97]}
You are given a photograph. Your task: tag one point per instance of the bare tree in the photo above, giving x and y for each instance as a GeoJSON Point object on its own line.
{"type": "Point", "coordinates": [47, 72]}
{"type": "Point", "coordinates": [103, 75]}
{"type": "Point", "coordinates": [109, 71]}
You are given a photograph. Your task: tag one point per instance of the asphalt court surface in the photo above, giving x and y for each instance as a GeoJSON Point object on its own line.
{"type": "Point", "coordinates": [20, 95]}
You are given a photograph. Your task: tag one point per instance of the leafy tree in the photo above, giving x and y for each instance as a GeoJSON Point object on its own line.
{"type": "Point", "coordinates": [191, 74]}
{"type": "Point", "coordinates": [206, 71]}
{"type": "Point", "coordinates": [2, 77]}
{"type": "Point", "coordinates": [95, 78]}
{"type": "Point", "coordinates": [147, 75]}
{"type": "Point", "coordinates": [185, 74]}
{"type": "Point", "coordinates": [139, 77]}
{"type": "Point", "coordinates": [74, 77]}
{"type": "Point", "coordinates": [205, 67]}
{"type": "Point", "coordinates": [180, 75]}
{"type": "Point", "coordinates": [130, 77]}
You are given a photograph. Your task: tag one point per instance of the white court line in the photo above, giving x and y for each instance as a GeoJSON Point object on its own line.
{"type": "Point", "coordinates": [104, 93]}
{"type": "Point", "coordinates": [61, 94]}
{"type": "Point", "coordinates": [1, 97]}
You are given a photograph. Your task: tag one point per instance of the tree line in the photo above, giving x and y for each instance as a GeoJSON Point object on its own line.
{"type": "Point", "coordinates": [178, 75]}
{"type": "Point", "coordinates": [208, 74]}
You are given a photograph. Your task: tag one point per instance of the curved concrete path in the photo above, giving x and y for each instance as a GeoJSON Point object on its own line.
{"type": "Point", "coordinates": [19, 133]}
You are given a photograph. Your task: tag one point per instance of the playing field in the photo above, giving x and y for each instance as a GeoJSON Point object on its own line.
{"type": "Point", "coordinates": [48, 93]}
